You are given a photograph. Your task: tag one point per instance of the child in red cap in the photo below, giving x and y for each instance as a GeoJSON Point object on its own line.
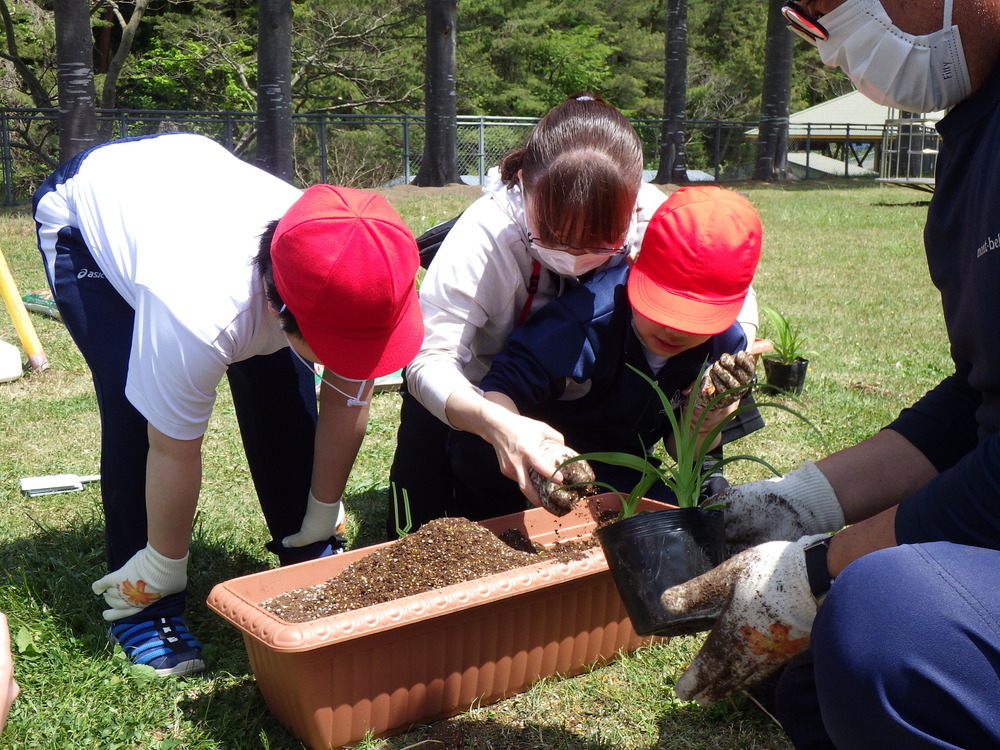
{"type": "Point", "coordinates": [570, 365]}
{"type": "Point", "coordinates": [171, 270]}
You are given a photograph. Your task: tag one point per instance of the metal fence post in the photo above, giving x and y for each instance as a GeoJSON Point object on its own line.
{"type": "Point", "coordinates": [808, 146]}
{"type": "Point", "coordinates": [847, 148]}
{"type": "Point", "coordinates": [482, 151]}
{"type": "Point", "coordinates": [321, 137]}
{"type": "Point", "coordinates": [716, 155]}
{"type": "Point", "coordinates": [406, 149]}
{"type": "Point", "coordinates": [8, 167]}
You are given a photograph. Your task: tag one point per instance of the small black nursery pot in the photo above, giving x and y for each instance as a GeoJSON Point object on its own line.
{"type": "Point", "coordinates": [786, 377]}
{"type": "Point", "coordinates": [650, 552]}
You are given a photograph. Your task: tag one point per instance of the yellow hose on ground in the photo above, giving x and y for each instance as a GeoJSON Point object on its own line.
{"type": "Point", "coordinates": [22, 322]}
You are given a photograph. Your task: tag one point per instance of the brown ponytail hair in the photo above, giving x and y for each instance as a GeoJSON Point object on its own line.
{"type": "Point", "coordinates": [582, 166]}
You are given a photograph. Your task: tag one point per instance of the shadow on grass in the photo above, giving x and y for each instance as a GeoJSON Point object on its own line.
{"type": "Point", "coordinates": [479, 734]}
{"type": "Point", "coordinates": [48, 577]}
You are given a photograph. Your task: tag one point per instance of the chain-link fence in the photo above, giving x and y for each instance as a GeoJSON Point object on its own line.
{"type": "Point", "coordinates": [376, 150]}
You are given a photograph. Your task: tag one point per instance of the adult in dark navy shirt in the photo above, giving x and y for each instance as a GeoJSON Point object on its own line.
{"type": "Point", "coordinates": [906, 642]}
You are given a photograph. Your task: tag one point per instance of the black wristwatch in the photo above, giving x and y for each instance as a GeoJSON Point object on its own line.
{"type": "Point", "coordinates": [816, 567]}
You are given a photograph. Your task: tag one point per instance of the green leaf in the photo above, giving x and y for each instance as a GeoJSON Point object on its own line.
{"type": "Point", "coordinates": [24, 642]}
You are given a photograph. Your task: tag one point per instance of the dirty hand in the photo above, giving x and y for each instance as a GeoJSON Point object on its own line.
{"type": "Point", "coordinates": [728, 372]}
{"type": "Point", "coordinates": [558, 497]}
{"type": "Point", "coordinates": [767, 615]}
{"type": "Point", "coordinates": [322, 521]}
{"type": "Point", "coordinates": [147, 577]}
{"type": "Point", "coordinates": [786, 507]}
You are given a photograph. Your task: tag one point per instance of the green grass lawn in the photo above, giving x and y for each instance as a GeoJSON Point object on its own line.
{"type": "Point", "coordinates": [842, 260]}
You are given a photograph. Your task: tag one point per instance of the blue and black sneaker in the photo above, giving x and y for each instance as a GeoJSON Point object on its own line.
{"type": "Point", "coordinates": [163, 643]}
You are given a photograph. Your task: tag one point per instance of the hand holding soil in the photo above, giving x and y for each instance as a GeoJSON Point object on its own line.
{"type": "Point", "coordinates": [561, 498]}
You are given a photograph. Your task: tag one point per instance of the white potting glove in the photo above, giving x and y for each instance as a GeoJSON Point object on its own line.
{"type": "Point", "coordinates": [321, 521]}
{"type": "Point", "coordinates": [783, 508]}
{"type": "Point", "coordinates": [147, 577]}
{"type": "Point", "coordinates": [768, 611]}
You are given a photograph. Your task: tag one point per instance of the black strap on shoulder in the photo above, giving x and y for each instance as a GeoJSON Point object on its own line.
{"type": "Point", "coordinates": [429, 242]}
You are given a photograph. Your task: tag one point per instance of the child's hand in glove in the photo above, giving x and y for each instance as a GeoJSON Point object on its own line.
{"type": "Point", "coordinates": [766, 620]}
{"type": "Point", "coordinates": [147, 577]}
{"type": "Point", "coordinates": [728, 372]}
{"type": "Point", "coordinates": [322, 521]}
{"type": "Point", "coordinates": [559, 498]}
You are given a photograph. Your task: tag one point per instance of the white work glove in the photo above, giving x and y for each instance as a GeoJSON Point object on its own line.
{"type": "Point", "coordinates": [784, 508]}
{"type": "Point", "coordinates": [321, 521]}
{"type": "Point", "coordinates": [147, 577]}
{"type": "Point", "coordinates": [768, 612]}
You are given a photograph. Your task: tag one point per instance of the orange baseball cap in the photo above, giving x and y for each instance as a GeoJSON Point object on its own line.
{"type": "Point", "coordinates": [344, 263]}
{"type": "Point", "coordinates": [697, 260]}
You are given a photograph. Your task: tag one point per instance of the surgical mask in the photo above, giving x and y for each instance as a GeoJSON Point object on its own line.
{"type": "Point", "coordinates": [567, 264]}
{"type": "Point", "coordinates": [351, 400]}
{"type": "Point", "coordinates": [920, 74]}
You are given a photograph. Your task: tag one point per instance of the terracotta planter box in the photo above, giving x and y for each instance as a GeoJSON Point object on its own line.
{"type": "Point", "coordinates": [425, 657]}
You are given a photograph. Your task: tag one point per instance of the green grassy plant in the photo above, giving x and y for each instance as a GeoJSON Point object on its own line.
{"type": "Point", "coordinates": [788, 341]}
{"type": "Point", "coordinates": [845, 261]}
{"type": "Point", "coordinates": [691, 463]}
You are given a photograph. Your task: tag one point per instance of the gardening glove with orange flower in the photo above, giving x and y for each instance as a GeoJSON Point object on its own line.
{"type": "Point", "coordinates": [784, 508]}
{"type": "Point", "coordinates": [322, 521]}
{"type": "Point", "coordinates": [767, 615]}
{"type": "Point", "coordinates": [147, 577]}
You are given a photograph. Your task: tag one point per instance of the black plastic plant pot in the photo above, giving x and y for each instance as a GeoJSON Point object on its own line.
{"type": "Point", "coordinates": [785, 377]}
{"type": "Point", "coordinates": [650, 552]}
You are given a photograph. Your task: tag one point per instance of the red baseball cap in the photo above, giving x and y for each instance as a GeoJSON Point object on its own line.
{"type": "Point", "coordinates": [697, 260]}
{"type": "Point", "coordinates": [344, 263]}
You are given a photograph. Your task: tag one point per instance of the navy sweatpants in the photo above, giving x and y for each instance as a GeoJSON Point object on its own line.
{"type": "Point", "coordinates": [905, 653]}
{"type": "Point", "coordinates": [274, 397]}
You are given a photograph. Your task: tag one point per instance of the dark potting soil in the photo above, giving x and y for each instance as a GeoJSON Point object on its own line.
{"type": "Point", "coordinates": [442, 552]}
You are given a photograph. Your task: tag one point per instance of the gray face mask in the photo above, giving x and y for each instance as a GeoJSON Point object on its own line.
{"type": "Point", "coordinates": [925, 73]}
{"type": "Point", "coordinates": [351, 400]}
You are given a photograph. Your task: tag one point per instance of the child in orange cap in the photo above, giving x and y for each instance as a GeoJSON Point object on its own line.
{"type": "Point", "coordinates": [570, 365]}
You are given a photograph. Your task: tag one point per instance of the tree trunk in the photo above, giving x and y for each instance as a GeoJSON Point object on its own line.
{"type": "Point", "coordinates": [772, 130]}
{"type": "Point", "coordinates": [75, 74]}
{"type": "Point", "coordinates": [117, 61]}
{"type": "Point", "coordinates": [673, 165]}
{"type": "Point", "coordinates": [274, 88]}
{"type": "Point", "coordinates": [440, 162]}
{"type": "Point", "coordinates": [39, 94]}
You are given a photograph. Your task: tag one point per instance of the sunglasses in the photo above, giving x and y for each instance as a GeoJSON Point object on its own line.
{"type": "Point", "coordinates": [802, 23]}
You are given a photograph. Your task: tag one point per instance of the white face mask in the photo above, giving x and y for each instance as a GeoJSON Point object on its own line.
{"type": "Point", "coordinates": [351, 400]}
{"type": "Point", "coordinates": [913, 73]}
{"type": "Point", "coordinates": [566, 264]}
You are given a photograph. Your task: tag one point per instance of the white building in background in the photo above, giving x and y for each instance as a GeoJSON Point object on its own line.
{"type": "Point", "coordinates": [852, 136]}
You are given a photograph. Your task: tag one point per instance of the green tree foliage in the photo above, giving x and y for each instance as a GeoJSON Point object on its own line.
{"type": "Point", "coordinates": [515, 57]}
{"type": "Point", "coordinates": [521, 57]}
{"type": "Point", "coordinates": [726, 63]}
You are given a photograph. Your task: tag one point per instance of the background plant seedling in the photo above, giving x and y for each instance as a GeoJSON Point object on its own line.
{"type": "Point", "coordinates": [789, 343]}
